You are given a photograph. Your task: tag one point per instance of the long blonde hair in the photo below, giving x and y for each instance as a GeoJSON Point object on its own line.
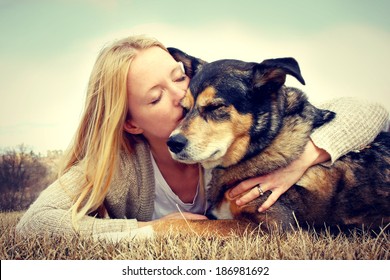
{"type": "Point", "coordinates": [100, 135]}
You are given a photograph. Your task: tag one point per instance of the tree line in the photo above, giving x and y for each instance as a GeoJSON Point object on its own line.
{"type": "Point", "coordinates": [23, 175]}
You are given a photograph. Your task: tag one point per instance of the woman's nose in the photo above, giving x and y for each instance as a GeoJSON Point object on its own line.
{"type": "Point", "coordinates": [177, 94]}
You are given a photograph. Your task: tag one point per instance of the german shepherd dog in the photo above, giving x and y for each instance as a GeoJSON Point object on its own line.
{"type": "Point", "coordinates": [242, 121]}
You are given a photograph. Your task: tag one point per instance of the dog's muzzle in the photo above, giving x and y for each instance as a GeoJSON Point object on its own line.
{"type": "Point", "coordinates": [177, 143]}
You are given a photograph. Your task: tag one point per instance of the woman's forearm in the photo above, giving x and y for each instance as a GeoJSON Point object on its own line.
{"type": "Point", "coordinates": [356, 124]}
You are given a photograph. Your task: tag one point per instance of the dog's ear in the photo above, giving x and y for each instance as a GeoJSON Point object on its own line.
{"type": "Point", "coordinates": [271, 73]}
{"type": "Point", "coordinates": [191, 64]}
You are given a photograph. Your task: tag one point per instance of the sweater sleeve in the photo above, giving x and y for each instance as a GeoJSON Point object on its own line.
{"type": "Point", "coordinates": [50, 213]}
{"type": "Point", "coordinates": [356, 124]}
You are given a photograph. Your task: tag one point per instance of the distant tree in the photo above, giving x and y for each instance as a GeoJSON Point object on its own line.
{"type": "Point", "coordinates": [20, 172]}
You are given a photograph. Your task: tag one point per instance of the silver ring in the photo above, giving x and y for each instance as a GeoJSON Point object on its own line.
{"type": "Point", "coordinates": [261, 192]}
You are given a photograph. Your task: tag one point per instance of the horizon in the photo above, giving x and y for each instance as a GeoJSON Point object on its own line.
{"type": "Point", "coordinates": [47, 50]}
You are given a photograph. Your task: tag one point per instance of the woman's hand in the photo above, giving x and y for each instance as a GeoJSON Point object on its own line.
{"type": "Point", "coordinates": [279, 181]}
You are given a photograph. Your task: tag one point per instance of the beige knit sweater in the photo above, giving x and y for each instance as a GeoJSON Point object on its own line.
{"type": "Point", "coordinates": [131, 194]}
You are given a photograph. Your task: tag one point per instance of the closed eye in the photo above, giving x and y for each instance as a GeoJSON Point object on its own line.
{"type": "Point", "coordinates": [181, 78]}
{"type": "Point", "coordinates": [157, 99]}
{"type": "Point", "coordinates": [216, 112]}
{"type": "Point", "coordinates": [213, 107]}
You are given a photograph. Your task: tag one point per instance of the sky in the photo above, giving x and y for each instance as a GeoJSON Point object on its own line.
{"type": "Point", "coordinates": [48, 48]}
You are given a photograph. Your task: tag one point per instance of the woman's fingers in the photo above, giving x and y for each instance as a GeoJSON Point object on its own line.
{"type": "Point", "coordinates": [254, 193]}
{"type": "Point", "coordinates": [270, 201]}
{"type": "Point", "coordinates": [245, 186]}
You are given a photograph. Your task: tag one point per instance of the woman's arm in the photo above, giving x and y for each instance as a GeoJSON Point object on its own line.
{"type": "Point", "coordinates": [356, 124]}
{"type": "Point", "coordinates": [50, 213]}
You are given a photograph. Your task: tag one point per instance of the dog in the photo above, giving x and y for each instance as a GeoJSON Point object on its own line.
{"type": "Point", "coordinates": [242, 121]}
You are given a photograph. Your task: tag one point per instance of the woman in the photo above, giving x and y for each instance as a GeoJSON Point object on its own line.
{"type": "Point", "coordinates": [119, 162]}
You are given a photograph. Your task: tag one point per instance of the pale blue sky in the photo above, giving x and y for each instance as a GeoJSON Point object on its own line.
{"type": "Point", "coordinates": [47, 49]}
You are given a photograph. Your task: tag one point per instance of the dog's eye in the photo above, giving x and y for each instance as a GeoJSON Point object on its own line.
{"type": "Point", "coordinates": [214, 107]}
{"type": "Point", "coordinates": [215, 112]}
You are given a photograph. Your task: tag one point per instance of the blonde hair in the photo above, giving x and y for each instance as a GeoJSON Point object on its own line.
{"type": "Point", "coordinates": [100, 135]}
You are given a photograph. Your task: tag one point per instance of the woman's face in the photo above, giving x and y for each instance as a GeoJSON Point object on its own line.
{"type": "Point", "coordinates": [155, 85]}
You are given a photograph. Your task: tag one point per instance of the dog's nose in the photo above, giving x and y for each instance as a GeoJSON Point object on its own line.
{"type": "Point", "coordinates": [176, 143]}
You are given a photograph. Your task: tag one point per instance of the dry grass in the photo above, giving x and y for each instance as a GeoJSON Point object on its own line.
{"type": "Point", "coordinates": [296, 245]}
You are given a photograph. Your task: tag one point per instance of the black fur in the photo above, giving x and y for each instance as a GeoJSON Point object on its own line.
{"type": "Point", "coordinates": [353, 192]}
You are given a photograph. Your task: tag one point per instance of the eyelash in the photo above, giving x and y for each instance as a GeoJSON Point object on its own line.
{"type": "Point", "coordinates": [155, 101]}
{"type": "Point", "coordinates": [181, 79]}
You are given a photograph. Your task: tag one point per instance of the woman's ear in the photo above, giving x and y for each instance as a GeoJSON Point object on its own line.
{"type": "Point", "coordinates": [132, 128]}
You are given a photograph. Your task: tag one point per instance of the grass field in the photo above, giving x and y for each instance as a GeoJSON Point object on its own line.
{"type": "Point", "coordinates": [296, 245]}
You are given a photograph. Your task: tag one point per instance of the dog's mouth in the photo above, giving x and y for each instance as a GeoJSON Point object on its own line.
{"type": "Point", "coordinates": [207, 161]}
{"type": "Point", "coordinates": [202, 146]}
{"type": "Point", "coordinates": [185, 156]}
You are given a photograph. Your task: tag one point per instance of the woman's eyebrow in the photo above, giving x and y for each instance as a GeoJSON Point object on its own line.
{"type": "Point", "coordinates": [179, 67]}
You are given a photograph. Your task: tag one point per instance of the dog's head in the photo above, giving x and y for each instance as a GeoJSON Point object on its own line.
{"type": "Point", "coordinates": [229, 103]}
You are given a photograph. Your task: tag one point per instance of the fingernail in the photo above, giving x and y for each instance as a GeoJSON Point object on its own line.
{"type": "Point", "coordinates": [238, 202]}
{"type": "Point", "coordinates": [261, 209]}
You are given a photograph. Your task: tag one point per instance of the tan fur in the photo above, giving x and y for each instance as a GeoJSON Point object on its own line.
{"type": "Point", "coordinates": [269, 158]}
{"type": "Point", "coordinates": [206, 97]}
{"type": "Point", "coordinates": [231, 134]}
{"type": "Point", "coordinates": [188, 100]}
{"type": "Point", "coordinates": [239, 124]}
{"type": "Point", "coordinates": [234, 209]}
{"type": "Point", "coordinates": [318, 180]}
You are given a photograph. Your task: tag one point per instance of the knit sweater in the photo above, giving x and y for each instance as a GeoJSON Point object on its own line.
{"type": "Point", "coordinates": [132, 191]}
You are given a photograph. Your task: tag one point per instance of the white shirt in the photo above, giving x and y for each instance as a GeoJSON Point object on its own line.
{"type": "Point", "coordinates": [166, 201]}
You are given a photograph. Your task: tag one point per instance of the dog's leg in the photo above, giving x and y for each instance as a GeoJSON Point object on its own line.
{"type": "Point", "coordinates": [222, 228]}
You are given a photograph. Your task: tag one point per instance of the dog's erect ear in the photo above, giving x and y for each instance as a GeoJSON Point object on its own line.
{"type": "Point", "coordinates": [271, 73]}
{"type": "Point", "coordinates": [191, 64]}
